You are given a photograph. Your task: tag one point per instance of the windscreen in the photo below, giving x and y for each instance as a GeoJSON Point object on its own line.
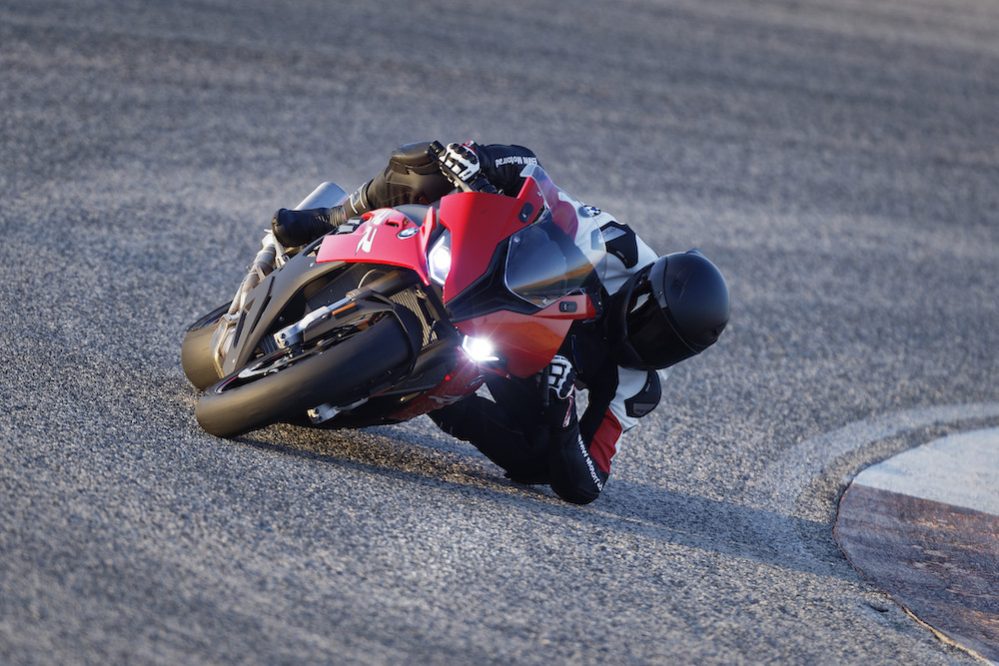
{"type": "Point", "coordinates": [545, 263]}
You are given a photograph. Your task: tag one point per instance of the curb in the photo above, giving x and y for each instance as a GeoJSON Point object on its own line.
{"type": "Point", "coordinates": [924, 527]}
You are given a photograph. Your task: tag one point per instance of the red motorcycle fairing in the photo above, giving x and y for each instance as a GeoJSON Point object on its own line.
{"type": "Point", "coordinates": [478, 223]}
{"type": "Point", "coordinates": [386, 236]}
{"type": "Point", "coordinates": [530, 341]}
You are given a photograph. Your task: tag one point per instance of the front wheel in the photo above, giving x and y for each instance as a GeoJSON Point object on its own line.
{"type": "Point", "coordinates": [196, 350]}
{"type": "Point", "coordinates": [277, 387]}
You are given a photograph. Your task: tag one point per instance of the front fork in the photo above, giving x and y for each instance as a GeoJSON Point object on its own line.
{"type": "Point", "coordinates": [271, 255]}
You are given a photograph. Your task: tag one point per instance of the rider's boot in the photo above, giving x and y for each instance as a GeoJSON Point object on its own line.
{"type": "Point", "coordinates": [298, 227]}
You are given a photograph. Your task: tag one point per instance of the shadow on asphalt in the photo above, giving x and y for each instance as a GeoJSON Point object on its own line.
{"type": "Point", "coordinates": [626, 507]}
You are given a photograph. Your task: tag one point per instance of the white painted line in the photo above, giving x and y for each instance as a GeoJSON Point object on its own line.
{"type": "Point", "coordinates": [960, 470]}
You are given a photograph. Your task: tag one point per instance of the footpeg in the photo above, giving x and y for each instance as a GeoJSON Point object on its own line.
{"type": "Point", "coordinates": [324, 412]}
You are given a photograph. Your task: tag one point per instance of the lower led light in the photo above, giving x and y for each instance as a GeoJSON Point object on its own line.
{"type": "Point", "coordinates": [479, 350]}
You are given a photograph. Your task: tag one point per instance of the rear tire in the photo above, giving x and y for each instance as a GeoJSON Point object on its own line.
{"type": "Point", "coordinates": [339, 375]}
{"type": "Point", "coordinates": [196, 350]}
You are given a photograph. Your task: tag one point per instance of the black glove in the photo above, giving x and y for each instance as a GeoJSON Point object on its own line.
{"type": "Point", "coordinates": [462, 161]}
{"type": "Point", "coordinates": [560, 393]}
{"type": "Point", "coordinates": [560, 377]}
{"type": "Point", "coordinates": [298, 227]}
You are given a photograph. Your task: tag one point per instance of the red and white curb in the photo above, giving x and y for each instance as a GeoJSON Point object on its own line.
{"type": "Point", "coordinates": [924, 527]}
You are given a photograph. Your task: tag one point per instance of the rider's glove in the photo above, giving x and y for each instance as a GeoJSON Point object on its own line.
{"type": "Point", "coordinates": [298, 227]}
{"type": "Point", "coordinates": [560, 377]}
{"type": "Point", "coordinates": [560, 406]}
{"type": "Point", "coordinates": [462, 161]}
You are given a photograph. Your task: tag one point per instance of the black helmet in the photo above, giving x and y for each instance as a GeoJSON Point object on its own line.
{"type": "Point", "coordinates": [670, 310]}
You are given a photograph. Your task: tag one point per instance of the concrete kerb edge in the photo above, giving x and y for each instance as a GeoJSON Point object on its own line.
{"type": "Point", "coordinates": [785, 481]}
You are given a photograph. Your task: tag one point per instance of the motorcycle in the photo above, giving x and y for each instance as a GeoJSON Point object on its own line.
{"type": "Point", "coordinates": [399, 312]}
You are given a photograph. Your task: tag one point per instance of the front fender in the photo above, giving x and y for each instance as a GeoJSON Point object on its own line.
{"type": "Point", "coordinates": [266, 303]}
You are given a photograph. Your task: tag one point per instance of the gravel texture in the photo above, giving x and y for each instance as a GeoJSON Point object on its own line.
{"type": "Point", "coordinates": [839, 160]}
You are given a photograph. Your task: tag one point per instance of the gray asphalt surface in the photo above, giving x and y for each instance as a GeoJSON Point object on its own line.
{"type": "Point", "coordinates": [839, 160]}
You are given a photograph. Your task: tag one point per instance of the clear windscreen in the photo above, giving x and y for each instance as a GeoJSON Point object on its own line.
{"type": "Point", "coordinates": [559, 254]}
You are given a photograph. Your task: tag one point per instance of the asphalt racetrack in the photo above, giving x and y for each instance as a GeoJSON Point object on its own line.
{"type": "Point", "coordinates": [839, 161]}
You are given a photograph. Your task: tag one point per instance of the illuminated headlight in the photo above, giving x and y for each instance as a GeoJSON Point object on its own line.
{"type": "Point", "coordinates": [440, 259]}
{"type": "Point", "coordinates": [479, 350]}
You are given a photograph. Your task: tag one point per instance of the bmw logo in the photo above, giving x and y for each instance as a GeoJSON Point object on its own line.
{"type": "Point", "coordinates": [408, 232]}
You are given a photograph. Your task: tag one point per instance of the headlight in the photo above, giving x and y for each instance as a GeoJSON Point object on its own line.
{"type": "Point", "coordinates": [480, 350]}
{"type": "Point", "coordinates": [439, 259]}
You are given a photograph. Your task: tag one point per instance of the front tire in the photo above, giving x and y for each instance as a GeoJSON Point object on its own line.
{"type": "Point", "coordinates": [339, 375]}
{"type": "Point", "coordinates": [196, 350]}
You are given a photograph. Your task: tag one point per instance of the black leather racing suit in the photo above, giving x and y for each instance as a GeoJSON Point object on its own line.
{"type": "Point", "coordinates": [533, 441]}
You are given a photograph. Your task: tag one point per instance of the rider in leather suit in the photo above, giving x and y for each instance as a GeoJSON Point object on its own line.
{"type": "Point", "coordinates": [657, 311]}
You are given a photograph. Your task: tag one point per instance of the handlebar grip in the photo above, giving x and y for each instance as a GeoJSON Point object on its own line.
{"type": "Point", "coordinates": [435, 149]}
{"type": "Point", "coordinates": [482, 184]}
